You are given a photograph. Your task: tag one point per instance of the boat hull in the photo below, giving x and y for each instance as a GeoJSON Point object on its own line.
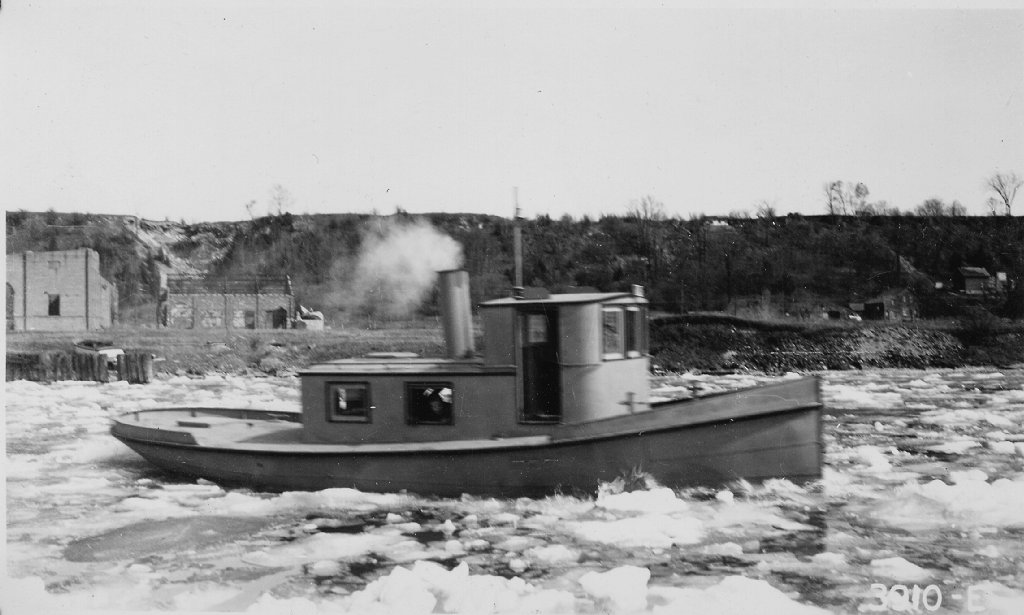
{"type": "Point", "coordinates": [711, 454]}
{"type": "Point", "coordinates": [780, 443]}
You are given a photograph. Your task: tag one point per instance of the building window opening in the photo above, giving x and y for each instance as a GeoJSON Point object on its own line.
{"type": "Point", "coordinates": [54, 305]}
{"type": "Point", "coordinates": [612, 333]}
{"type": "Point", "coordinates": [429, 403]}
{"type": "Point", "coordinates": [348, 403]}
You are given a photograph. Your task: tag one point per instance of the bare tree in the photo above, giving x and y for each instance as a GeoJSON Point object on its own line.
{"type": "Point", "coordinates": [766, 210]}
{"type": "Point", "coordinates": [835, 199]}
{"type": "Point", "coordinates": [1005, 186]}
{"type": "Point", "coordinates": [647, 208]}
{"type": "Point", "coordinates": [280, 200]}
{"type": "Point", "coordinates": [649, 214]}
{"type": "Point", "coordinates": [931, 208]}
{"type": "Point", "coordinates": [851, 199]}
{"type": "Point", "coordinates": [860, 200]}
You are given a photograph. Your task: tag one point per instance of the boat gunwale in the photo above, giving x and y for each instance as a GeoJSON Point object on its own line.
{"type": "Point", "coordinates": [444, 446]}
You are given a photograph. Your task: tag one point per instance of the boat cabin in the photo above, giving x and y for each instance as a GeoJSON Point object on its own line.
{"type": "Point", "coordinates": [547, 361]}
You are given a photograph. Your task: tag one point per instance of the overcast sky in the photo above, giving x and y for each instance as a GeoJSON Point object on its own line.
{"type": "Point", "coordinates": [189, 110]}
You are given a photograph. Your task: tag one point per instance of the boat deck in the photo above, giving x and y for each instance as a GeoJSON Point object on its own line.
{"type": "Point", "coordinates": [258, 431]}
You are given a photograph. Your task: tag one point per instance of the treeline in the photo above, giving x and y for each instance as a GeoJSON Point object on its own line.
{"type": "Point", "coordinates": [696, 264]}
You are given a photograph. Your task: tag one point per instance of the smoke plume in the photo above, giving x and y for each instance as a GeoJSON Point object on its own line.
{"type": "Point", "coordinates": [397, 266]}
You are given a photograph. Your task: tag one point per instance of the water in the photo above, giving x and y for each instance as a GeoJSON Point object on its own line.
{"type": "Point", "coordinates": [924, 488]}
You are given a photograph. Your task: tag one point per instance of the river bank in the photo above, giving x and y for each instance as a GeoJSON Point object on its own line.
{"type": "Point", "coordinates": [722, 343]}
{"type": "Point", "coordinates": [690, 343]}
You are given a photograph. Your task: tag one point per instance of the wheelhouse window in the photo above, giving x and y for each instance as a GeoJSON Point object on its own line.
{"type": "Point", "coordinates": [636, 330]}
{"type": "Point", "coordinates": [53, 305]}
{"type": "Point", "coordinates": [429, 403]}
{"type": "Point", "coordinates": [536, 328]}
{"type": "Point", "coordinates": [613, 338]}
{"type": "Point", "coordinates": [348, 402]}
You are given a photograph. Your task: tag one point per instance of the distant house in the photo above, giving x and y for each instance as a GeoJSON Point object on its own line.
{"type": "Point", "coordinates": [198, 303]}
{"type": "Point", "coordinates": [893, 304]}
{"type": "Point", "coordinates": [972, 280]}
{"type": "Point", "coordinates": [58, 291]}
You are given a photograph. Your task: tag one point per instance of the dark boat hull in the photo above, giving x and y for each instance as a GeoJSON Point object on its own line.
{"type": "Point", "coordinates": [710, 454]}
{"type": "Point", "coordinates": [764, 441]}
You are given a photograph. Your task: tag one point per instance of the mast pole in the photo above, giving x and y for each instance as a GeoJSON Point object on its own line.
{"type": "Point", "coordinates": [517, 247]}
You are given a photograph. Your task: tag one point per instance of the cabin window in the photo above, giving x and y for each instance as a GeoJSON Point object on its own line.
{"type": "Point", "coordinates": [536, 328]}
{"type": "Point", "coordinates": [53, 305]}
{"type": "Point", "coordinates": [429, 403]}
{"type": "Point", "coordinates": [612, 333]}
{"type": "Point", "coordinates": [348, 402]}
{"type": "Point", "coordinates": [644, 331]}
{"type": "Point", "coordinates": [636, 331]}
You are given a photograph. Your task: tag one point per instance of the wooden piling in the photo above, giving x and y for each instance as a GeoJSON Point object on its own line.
{"type": "Point", "coordinates": [122, 367]}
{"type": "Point", "coordinates": [135, 367]}
{"type": "Point", "coordinates": [90, 366]}
{"type": "Point", "coordinates": [23, 365]}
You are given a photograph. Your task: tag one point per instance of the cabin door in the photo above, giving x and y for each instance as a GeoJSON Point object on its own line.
{"type": "Point", "coordinates": [542, 395]}
{"type": "Point", "coordinates": [10, 307]}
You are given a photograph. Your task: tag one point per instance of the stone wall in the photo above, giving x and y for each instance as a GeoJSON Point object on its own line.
{"type": "Point", "coordinates": [234, 311]}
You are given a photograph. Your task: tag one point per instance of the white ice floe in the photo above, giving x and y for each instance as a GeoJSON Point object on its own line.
{"type": "Point", "coordinates": [553, 554]}
{"type": "Point", "coordinates": [843, 396]}
{"type": "Point", "coordinates": [875, 459]}
{"type": "Point", "coordinates": [346, 499]}
{"type": "Point", "coordinates": [954, 447]}
{"type": "Point", "coordinates": [326, 568]}
{"type": "Point", "coordinates": [658, 500]}
{"type": "Point", "coordinates": [652, 531]}
{"type": "Point", "coordinates": [830, 561]}
{"type": "Point", "coordinates": [730, 549]}
{"type": "Point", "coordinates": [320, 547]}
{"type": "Point", "coordinates": [990, 551]}
{"type": "Point", "coordinates": [970, 501]}
{"type": "Point", "coordinates": [988, 376]}
{"type": "Point", "coordinates": [28, 596]}
{"type": "Point", "coordinates": [899, 569]}
{"type": "Point", "coordinates": [428, 587]}
{"type": "Point", "coordinates": [733, 595]}
{"type": "Point", "coordinates": [623, 589]}
{"type": "Point", "coordinates": [993, 598]}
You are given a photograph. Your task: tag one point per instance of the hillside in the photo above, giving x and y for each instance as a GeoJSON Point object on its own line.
{"type": "Point", "coordinates": [774, 265]}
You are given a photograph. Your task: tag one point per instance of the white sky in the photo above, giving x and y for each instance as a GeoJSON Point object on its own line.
{"type": "Point", "coordinates": [191, 109]}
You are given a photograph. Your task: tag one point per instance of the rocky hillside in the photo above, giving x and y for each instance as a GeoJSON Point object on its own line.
{"type": "Point", "coordinates": [783, 265]}
{"type": "Point", "coordinates": [717, 343]}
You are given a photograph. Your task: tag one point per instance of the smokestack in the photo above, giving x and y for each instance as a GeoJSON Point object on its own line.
{"type": "Point", "coordinates": [456, 314]}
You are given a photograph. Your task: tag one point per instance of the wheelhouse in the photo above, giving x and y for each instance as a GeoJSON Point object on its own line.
{"type": "Point", "coordinates": [548, 361]}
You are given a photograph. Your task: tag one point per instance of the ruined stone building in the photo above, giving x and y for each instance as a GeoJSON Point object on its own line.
{"type": "Point", "coordinates": [199, 303]}
{"type": "Point", "coordinates": [58, 291]}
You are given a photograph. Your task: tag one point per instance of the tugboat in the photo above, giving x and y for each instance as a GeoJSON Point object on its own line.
{"type": "Point", "coordinates": [558, 401]}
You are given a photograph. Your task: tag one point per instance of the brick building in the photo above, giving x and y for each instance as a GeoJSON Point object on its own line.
{"type": "Point", "coordinates": [58, 291]}
{"type": "Point", "coordinates": [198, 303]}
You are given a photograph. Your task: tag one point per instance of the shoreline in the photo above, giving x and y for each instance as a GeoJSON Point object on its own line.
{"type": "Point", "coordinates": [706, 343]}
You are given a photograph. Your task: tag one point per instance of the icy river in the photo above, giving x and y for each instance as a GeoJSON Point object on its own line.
{"type": "Point", "coordinates": [921, 509]}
